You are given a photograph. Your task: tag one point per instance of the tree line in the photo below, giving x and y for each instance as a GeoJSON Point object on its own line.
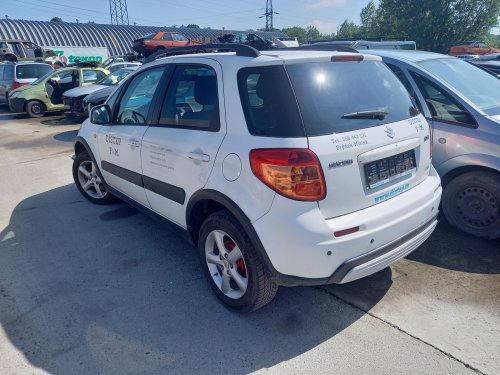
{"type": "Point", "coordinates": [434, 25]}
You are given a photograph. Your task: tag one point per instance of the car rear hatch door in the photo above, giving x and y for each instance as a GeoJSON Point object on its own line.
{"type": "Point", "coordinates": [363, 126]}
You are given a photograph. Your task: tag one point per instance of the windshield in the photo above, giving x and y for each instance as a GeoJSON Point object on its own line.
{"type": "Point", "coordinates": [114, 78]}
{"type": "Point", "coordinates": [44, 76]}
{"type": "Point", "coordinates": [480, 87]}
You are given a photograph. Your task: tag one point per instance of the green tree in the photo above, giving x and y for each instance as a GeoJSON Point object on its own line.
{"type": "Point", "coordinates": [348, 29]}
{"type": "Point", "coordinates": [193, 26]}
{"type": "Point", "coordinates": [437, 24]}
{"type": "Point", "coordinates": [369, 21]}
{"type": "Point", "coordinates": [312, 33]}
{"type": "Point", "coordinates": [298, 32]}
{"type": "Point", "coordinates": [57, 20]}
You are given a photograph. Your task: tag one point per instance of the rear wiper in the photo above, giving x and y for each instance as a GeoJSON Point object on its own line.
{"type": "Point", "coordinates": [371, 115]}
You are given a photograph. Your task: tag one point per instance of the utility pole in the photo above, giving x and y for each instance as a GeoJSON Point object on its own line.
{"type": "Point", "coordinates": [269, 15]}
{"type": "Point", "coordinates": [119, 13]}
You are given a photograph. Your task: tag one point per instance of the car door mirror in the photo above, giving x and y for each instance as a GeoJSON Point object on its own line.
{"type": "Point", "coordinates": [100, 115]}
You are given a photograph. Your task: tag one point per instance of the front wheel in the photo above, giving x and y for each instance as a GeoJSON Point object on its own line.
{"type": "Point", "coordinates": [471, 203]}
{"type": "Point", "coordinates": [35, 109]}
{"type": "Point", "coordinates": [232, 266]}
{"type": "Point", "coordinates": [88, 182]}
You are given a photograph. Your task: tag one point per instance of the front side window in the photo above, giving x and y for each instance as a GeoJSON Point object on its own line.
{"type": "Point", "coordinates": [134, 105]}
{"type": "Point", "coordinates": [192, 99]}
{"type": "Point", "coordinates": [442, 106]}
{"type": "Point", "coordinates": [167, 37]}
{"type": "Point", "coordinates": [90, 76]}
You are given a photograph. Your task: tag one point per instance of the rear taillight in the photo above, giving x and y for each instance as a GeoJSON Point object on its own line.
{"type": "Point", "coordinates": [294, 173]}
{"type": "Point", "coordinates": [16, 85]}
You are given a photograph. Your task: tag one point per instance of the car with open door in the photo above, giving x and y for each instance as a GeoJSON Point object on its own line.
{"type": "Point", "coordinates": [45, 94]}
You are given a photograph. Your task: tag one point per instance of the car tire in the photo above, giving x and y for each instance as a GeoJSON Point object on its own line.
{"type": "Point", "coordinates": [88, 181]}
{"type": "Point", "coordinates": [35, 109]}
{"type": "Point", "coordinates": [471, 203]}
{"type": "Point", "coordinates": [232, 266]}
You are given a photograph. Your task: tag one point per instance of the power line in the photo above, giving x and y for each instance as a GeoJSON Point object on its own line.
{"type": "Point", "coordinates": [269, 15]}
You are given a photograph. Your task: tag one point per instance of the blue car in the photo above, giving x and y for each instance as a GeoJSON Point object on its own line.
{"type": "Point", "coordinates": [461, 102]}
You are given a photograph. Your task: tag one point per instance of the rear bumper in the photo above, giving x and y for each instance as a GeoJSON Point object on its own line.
{"type": "Point", "coordinates": [17, 104]}
{"type": "Point", "coordinates": [302, 250]}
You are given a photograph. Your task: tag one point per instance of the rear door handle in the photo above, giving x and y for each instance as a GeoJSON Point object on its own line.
{"type": "Point", "coordinates": [200, 157]}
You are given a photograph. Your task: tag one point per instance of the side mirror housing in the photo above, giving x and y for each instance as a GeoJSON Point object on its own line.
{"type": "Point", "coordinates": [100, 115]}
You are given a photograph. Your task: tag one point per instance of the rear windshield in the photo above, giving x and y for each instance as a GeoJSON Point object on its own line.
{"type": "Point", "coordinates": [327, 98]}
{"type": "Point", "coordinates": [32, 71]}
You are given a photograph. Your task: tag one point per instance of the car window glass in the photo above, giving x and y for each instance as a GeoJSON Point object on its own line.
{"type": "Point", "coordinates": [268, 103]}
{"type": "Point", "coordinates": [475, 84]}
{"type": "Point", "coordinates": [1, 72]}
{"type": "Point", "coordinates": [30, 71]}
{"type": "Point", "coordinates": [134, 105]}
{"type": "Point", "coordinates": [192, 99]}
{"type": "Point", "coordinates": [441, 105]}
{"type": "Point", "coordinates": [8, 72]}
{"type": "Point", "coordinates": [167, 37]}
{"type": "Point", "coordinates": [406, 83]}
{"type": "Point", "coordinates": [89, 76]}
{"type": "Point", "coordinates": [179, 38]}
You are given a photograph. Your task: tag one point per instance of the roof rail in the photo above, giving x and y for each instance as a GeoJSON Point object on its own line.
{"type": "Point", "coordinates": [240, 49]}
{"type": "Point", "coordinates": [320, 47]}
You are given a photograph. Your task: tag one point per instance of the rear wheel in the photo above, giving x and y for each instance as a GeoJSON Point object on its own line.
{"type": "Point", "coordinates": [35, 108]}
{"type": "Point", "coordinates": [471, 203]}
{"type": "Point", "coordinates": [88, 182]}
{"type": "Point", "coordinates": [232, 266]}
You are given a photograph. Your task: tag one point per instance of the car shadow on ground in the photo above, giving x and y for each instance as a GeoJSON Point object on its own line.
{"type": "Point", "coordinates": [60, 121]}
{"type": "Point", "coordinates": [67, 136]}
{"type": "Point", "coordinates": [452, 249]}
{"type": "Point", "coordinates": [106, 289]}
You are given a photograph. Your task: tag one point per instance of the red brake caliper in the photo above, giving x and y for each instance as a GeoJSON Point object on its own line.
{"type": "Point", "coordinates": [240, 264]}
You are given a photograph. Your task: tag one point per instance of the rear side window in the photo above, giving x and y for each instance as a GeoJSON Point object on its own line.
{"type": "Point", "coordinates": [342, 96]}
{"type": "Point", "coordinates": [32, 71]}
{"type": "Point", "coordinates": [192, 99]}
{"type": "Point", "coordinates": [268, 103]}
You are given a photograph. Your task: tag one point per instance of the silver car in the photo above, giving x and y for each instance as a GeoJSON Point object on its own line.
{"type": "Point", "coordinates": [462, 104]}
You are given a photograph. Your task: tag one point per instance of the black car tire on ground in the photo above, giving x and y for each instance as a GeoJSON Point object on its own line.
{"type": "Point", "coordinates": [471, 203]}
{"type": "Point", "coordinates": [85, 172]}
{"type": "Point", "coordinates": [35, 109]}
{"type": "Point", "coordinates": [260, 289]}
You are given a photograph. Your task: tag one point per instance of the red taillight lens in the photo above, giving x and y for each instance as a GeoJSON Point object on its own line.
{"type": "Point", "coordinates": [294, 173]}
{"type": "Point", "coordinates": [347, 58]}
{"type": "Point", "coordinates": [16, 84]}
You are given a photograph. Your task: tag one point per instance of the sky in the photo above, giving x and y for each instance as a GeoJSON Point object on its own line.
{"type": "Point", "coordinates": [326, 15]}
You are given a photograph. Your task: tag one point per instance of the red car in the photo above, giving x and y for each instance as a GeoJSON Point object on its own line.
{"type": "Point", "coordinates": [161, 40]}
{"type": "Point", "coordinates": [472, 48]}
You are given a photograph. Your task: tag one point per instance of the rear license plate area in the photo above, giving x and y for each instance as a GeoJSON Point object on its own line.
{"type": "Point", "coordinates": [383, 171]}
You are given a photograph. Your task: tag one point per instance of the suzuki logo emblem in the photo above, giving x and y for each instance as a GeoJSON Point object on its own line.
{"type": "Point", "coordinates": [389, 132]}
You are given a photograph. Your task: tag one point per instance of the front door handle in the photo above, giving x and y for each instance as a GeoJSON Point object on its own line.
{"type": "Point", "coordinates": [134, 143]}
{"type": "Point", "coordinates": [198, 156]}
